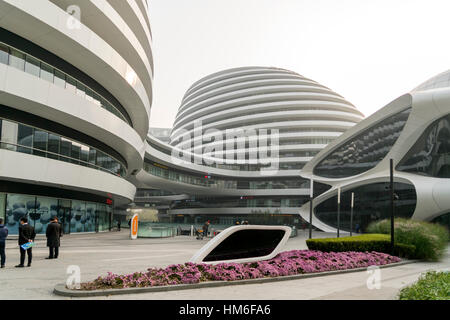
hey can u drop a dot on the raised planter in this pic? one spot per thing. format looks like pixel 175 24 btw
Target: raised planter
pixel 61 289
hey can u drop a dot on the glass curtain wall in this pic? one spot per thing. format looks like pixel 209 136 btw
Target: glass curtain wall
pixel 74 215
pixel 372 203
pixel 26 139
pixel 430 155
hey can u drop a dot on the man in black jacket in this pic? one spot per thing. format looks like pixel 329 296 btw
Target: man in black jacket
pixel 53 233
pixel 26 234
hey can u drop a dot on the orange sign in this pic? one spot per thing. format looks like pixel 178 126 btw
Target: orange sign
pixel 134 227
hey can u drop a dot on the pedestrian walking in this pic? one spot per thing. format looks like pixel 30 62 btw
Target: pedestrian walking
pixel 3 235
pixel 118 225
pixel 54 234
pixel 26 234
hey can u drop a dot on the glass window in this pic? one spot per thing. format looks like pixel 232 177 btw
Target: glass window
pixel 89 94
pixel 53 146
pixel 46 72
pixel 102 217
pixel 430 155
pixel 32 66
pixel 9 135
pixel 101 159
pixel 60 79
pixel 96 99
pixel 372 203
pixel 71 84
pixel 17 59
pixel 81 89
pixel 84 155
pixel 364 151
pixel 75 153
pixel 92 156
pixel 64 213
pixel 4 54
pixel 47 208
pixel 40 142
pixel 65 149
pixel 78 216
pixel 25 138
pixel 2 208
pixel 18 206
pixel 90 223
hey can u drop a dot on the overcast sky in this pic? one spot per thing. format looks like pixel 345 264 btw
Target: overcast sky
pixel 369 51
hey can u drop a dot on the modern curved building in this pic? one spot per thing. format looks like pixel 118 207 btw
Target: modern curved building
pixel 414 131
pixel 305 114
pixel 75 98
pixel 227 184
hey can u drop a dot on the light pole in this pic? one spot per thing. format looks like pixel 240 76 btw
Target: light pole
pixel 338 211
pixel 392 202
pixel 311 196
pixel 351 213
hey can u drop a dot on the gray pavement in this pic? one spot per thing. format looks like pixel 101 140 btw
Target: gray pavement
pixel 96 254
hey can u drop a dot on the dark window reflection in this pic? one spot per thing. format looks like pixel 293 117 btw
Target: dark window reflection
pixel 372 203
pixel 443 220
pixel 246 244
pixel 24 138
pixel 430 155
pixel 364 151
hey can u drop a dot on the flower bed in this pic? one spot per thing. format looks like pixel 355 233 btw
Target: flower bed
pixel 285 264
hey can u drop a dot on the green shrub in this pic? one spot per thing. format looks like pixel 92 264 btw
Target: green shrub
pixel 363 243
pixel 430 239
pixel 431 286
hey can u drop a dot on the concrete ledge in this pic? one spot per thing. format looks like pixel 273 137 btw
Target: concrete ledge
pixel 61 290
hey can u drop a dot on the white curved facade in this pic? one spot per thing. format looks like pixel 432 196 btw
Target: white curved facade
pixel 307 115
pixel 75 99
pixel 414 131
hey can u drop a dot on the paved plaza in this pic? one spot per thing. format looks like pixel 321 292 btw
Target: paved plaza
pixel 96 254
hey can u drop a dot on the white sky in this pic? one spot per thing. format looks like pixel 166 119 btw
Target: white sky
pixel 369 51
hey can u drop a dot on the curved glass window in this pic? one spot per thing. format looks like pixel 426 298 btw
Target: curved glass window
pixel 372 203
pixel 241 202
pixel 208 181
pixel 235 167
pixel 430 155
pixel 364 151
pixel 22 138
pixel 25 62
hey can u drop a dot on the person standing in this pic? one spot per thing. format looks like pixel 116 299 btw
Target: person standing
pixel 54 234
pixel 3 235
pixel 26 234
pixel 205 228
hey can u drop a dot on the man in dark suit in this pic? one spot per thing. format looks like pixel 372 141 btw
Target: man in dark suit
pixel 53 233
pixel 26 234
